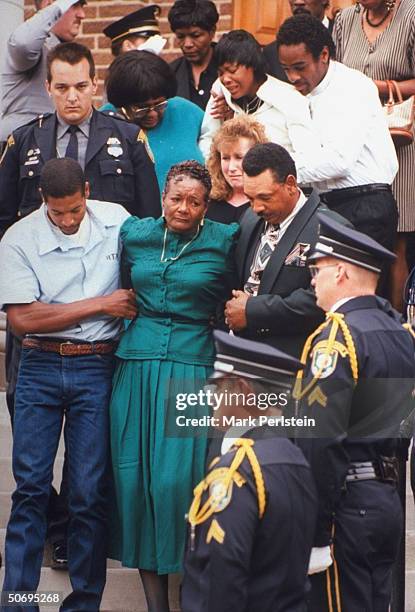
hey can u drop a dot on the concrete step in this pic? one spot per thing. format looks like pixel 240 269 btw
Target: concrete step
pixel 123 591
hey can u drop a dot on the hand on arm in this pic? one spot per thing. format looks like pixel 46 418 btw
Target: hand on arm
pixel 40 318
pixel 235 311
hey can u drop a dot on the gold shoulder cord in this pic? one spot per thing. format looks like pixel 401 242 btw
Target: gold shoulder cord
pixel 227 476
pixel 337 320
pixel 408 327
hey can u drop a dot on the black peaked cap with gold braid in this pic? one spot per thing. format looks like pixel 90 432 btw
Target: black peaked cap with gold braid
pixel 341 242
pixel 143 22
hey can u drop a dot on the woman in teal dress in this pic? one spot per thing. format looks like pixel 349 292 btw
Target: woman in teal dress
pixel 181 270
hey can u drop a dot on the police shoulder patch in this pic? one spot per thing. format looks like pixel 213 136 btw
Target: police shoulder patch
pixel 323 363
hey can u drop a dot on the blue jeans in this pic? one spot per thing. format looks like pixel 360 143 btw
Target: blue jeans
pixel 49 388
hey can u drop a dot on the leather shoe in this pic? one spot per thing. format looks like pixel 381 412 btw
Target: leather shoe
pixel 59 555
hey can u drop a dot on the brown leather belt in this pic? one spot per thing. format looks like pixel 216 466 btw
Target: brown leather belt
pixel 69 348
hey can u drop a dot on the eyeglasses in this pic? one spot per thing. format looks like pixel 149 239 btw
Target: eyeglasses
pixel 142 111
pixel 314 270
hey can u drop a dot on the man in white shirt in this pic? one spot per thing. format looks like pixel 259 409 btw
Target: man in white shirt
pixel 317 8
pixel 60 285
pixel 356 163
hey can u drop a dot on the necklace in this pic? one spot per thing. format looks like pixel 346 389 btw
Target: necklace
pixel 252 106
pixel 166 259
pixel 389 7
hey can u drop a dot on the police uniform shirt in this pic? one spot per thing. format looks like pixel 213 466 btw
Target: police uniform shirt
pixel 348 120
pixel 63 135
pixel 40 263
pixel 229 562
pixel 23 76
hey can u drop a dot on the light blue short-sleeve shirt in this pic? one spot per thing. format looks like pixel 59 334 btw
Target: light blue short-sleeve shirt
pixel 39 263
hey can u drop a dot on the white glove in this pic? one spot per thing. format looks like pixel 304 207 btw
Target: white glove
pixel 65 5
pixel 320 560
pixel 154 44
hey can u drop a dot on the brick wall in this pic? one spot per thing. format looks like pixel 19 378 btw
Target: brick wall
pixel 100 13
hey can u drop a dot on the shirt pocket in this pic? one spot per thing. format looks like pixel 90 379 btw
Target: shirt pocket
pixel 29 188
pixel 117 180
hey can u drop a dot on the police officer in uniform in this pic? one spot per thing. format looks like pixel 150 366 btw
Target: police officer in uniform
pixel 112 152
pixel 357 383
pixel 132 30
pixel 253 516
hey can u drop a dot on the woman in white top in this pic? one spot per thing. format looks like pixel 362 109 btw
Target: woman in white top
pixel 248 89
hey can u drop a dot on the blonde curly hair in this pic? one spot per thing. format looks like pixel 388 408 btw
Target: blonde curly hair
pixel 241 126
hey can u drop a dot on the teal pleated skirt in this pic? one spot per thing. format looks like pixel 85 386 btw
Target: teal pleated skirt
pixel 155 464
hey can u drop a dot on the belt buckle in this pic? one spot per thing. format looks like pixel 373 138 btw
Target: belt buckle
pixel 61 349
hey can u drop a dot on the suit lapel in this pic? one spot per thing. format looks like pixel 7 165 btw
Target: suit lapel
pixel 99 133
pixel 243 255
pixel 45 137
pixel 287 243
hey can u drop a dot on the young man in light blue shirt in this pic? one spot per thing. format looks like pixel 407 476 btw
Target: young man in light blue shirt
pixel 60 285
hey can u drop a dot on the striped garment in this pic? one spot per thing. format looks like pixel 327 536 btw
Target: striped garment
pixel 390 56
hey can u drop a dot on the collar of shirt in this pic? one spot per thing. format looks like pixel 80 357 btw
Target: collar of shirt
pixel 287 222
pixel 63 126
pixel 234 433
pixel 72 241
pixel 340 303
pixel 210 70
pixel 322 86
pixel 325 21
pixel 50 240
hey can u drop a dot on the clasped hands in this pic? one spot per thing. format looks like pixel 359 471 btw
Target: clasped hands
pixel 235 311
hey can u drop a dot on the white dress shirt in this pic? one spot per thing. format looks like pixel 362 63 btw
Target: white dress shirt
pixel 348 119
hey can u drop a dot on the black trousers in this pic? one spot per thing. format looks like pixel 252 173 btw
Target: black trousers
pixel 372 210
pixel 368 529
pixel 58 502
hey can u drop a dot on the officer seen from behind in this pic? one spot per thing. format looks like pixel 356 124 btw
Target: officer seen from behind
pixel 253 516
pixel 358 379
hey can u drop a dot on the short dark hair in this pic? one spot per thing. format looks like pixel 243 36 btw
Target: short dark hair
pixel 193 169
pixel 72 53
pixel 269 156
pixel 308 30
pixel 137 76
pixel 187 13
pixel 240 47
pixel 61 178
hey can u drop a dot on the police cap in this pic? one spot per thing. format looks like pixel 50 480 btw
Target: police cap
pixel 341 242
pixel 143 22
pixel 241 357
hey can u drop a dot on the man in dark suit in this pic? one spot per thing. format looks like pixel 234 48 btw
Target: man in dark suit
pixel 317 8
pixel 275 303
pixel 112 152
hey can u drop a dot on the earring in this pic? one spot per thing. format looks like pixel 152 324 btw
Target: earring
pixel 358 7
pixel 202 222
pixel 389 5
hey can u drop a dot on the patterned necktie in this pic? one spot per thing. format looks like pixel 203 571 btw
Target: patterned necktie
pixel 72 148
pixel 263 253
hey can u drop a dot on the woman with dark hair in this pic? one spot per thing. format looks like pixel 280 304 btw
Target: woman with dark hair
pixel 181 269
pixel 247 88
pixel 142 87
pixel 230 144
